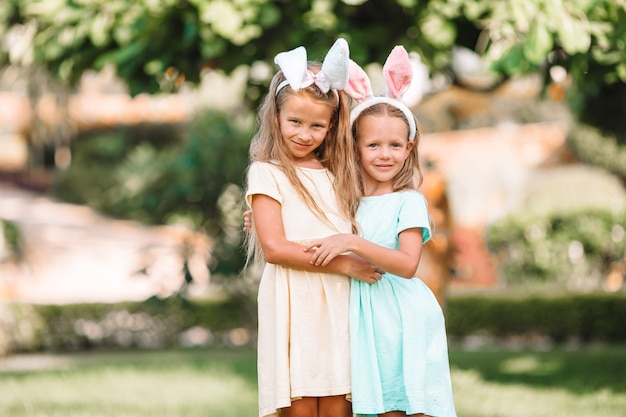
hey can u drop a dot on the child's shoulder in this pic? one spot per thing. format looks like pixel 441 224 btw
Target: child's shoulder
pixel 397 199
pixel 263 166
pixel 411 199
pixel 410 195
pixel 268 170
pixel 264 172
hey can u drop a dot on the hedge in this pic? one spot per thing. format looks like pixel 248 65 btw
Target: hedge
pixel 585 318
pixel 149 324
pixel 597 148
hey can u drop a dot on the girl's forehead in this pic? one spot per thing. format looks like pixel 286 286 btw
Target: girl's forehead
pixel 378 118
pixel 300 99
pixel 382 126
pixel 307 109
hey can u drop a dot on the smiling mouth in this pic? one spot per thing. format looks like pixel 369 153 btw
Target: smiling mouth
pixel 300 144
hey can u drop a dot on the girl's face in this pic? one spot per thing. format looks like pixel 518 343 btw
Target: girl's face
pixel 383 147
pixel 304 123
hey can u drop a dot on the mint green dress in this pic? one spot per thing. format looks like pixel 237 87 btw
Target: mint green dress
pixel 399 351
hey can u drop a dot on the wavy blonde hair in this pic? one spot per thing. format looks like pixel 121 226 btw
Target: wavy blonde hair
pixel 337 153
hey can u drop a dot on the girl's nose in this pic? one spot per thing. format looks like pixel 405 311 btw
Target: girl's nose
pixel 305 133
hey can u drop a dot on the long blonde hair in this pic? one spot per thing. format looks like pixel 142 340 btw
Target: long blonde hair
pixel 337 153
pixel 410 176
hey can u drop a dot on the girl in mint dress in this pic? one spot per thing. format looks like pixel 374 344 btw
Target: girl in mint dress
pixel 399 353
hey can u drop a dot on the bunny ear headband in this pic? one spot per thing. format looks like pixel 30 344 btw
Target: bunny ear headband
pixel 397 73
pixel 332 76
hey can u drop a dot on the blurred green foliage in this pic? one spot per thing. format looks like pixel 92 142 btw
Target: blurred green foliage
pixel 12 237
pixel 144 38
pixel 189 174
pixel 561 248
pixel 569 231
pixel 582 318
pixel 147 324
pixel 596 148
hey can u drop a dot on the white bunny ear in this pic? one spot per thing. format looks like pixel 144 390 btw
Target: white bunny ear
pixel 397 72
pixel 293 64
pixel 359 86
pixel 336 64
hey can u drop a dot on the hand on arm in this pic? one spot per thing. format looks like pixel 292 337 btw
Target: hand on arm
pixel 278 250
pixel 326 249
pixel 247 221
pixel 358 268
pixel 402 262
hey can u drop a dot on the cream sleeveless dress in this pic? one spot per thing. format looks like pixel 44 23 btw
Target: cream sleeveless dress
pixel 303 339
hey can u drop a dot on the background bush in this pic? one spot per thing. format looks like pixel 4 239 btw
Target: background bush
pixel 190 174
pixel 599 149
pixel 576 249
pixel 580 318
pixel 154 323
pixel 158 323
pixel 569 232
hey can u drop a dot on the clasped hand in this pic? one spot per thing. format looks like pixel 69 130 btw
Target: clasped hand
pixel 326 249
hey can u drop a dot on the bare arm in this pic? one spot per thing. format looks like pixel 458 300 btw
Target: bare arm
pixel 280 251
pixel 402 262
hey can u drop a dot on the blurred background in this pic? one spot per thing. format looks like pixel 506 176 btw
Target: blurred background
pixel 124 132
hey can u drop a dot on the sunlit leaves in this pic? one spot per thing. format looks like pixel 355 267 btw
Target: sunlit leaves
pixel 237 21
pixel 520 12
pixel 516 36
pixel 513 62
pixel 438 31
pixel 121 56
pixel 101 27
pixel 44 7
pixel 321 15
pixel 538 43
pixel 475 9
pixel 408 3
pixel 574 34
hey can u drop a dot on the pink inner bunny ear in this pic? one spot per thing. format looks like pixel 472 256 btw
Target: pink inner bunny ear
pixel 359 86
pixel 397 72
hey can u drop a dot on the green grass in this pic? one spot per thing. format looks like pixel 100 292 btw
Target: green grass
pixel 135 384
pixel 221 382
pixel 587 383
